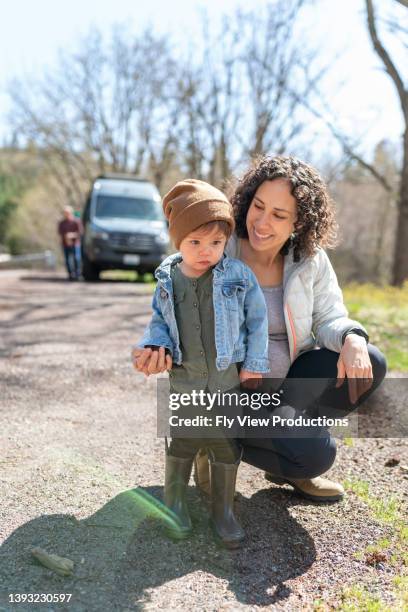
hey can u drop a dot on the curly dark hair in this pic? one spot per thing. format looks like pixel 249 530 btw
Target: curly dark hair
pixel 315 225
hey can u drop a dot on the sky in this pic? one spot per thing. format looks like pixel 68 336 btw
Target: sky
pixel 360 95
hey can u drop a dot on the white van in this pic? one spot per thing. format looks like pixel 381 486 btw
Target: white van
pixel 124 226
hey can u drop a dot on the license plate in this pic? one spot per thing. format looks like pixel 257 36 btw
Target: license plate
pixel 131 259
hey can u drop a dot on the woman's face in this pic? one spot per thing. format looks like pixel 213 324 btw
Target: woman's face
pixel 271 216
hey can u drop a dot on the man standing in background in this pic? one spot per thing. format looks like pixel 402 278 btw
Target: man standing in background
pixel 70 230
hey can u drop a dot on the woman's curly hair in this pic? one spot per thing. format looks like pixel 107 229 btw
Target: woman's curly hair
pixel 315 225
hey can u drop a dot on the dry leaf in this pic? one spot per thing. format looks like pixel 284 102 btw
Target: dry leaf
pixel 60 565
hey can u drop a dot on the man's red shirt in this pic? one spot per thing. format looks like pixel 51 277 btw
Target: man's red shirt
pixel 67 226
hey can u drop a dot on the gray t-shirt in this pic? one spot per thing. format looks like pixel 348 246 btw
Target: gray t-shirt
pixel 278 347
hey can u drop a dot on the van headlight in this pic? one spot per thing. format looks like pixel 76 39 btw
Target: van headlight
pixel 162 238
pixel 99 233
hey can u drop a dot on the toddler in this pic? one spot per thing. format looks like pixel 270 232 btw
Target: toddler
pixel 209 315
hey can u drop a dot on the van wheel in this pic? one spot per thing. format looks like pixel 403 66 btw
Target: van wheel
pixel 90 272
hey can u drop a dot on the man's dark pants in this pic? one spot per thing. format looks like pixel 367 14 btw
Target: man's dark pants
pixel 72 261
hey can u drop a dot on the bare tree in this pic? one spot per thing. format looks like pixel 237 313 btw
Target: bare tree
pixel 349 146
pixel 99 110
pixel 273 63
pixel 191 139
pixel 134 105
pixel 237 98
pixel 400 271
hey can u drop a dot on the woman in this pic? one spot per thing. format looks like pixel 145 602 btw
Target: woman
pixel 284 219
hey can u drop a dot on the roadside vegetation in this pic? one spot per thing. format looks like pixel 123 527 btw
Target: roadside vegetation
pixel 384 311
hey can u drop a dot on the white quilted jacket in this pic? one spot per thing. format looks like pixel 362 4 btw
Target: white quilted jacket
pixel 313 305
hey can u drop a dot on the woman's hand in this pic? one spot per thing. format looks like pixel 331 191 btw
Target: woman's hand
pixel 354 362
pixel 149 361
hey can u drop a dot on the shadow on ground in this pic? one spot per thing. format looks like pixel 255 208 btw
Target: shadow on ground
pixel 121 552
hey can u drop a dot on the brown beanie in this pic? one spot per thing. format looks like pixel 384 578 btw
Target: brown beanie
pixel 192 203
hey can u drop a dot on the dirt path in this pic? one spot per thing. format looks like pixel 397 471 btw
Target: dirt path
pixel 78 437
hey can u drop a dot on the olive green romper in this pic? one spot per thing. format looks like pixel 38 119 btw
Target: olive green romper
pixel 194 311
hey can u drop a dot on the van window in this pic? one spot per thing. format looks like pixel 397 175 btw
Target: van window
pixel 127 208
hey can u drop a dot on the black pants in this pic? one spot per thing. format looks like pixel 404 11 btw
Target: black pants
pixel 222 450
pixel 307 457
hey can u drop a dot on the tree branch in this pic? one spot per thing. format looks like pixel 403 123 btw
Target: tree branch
pixel 348 149
pixel 385 58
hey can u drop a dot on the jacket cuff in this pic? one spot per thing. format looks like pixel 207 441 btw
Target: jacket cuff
pixel 260 366
pixel 155 347
pixel 355 330
pixel 168 348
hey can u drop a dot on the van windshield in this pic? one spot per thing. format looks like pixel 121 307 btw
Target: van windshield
pixel 109 206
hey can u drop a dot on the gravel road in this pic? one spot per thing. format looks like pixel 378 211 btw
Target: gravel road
pixel 81 459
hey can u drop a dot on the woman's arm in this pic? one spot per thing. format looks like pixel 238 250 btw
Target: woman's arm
pixel 330 326
pixel 330 316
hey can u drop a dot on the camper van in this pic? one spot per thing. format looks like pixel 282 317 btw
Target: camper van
pixel 124 226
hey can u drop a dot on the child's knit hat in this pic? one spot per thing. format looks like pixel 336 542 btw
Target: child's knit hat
pixel 192 203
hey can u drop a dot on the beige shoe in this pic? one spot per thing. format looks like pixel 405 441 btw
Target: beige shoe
pixel 316 489
pixel 202 472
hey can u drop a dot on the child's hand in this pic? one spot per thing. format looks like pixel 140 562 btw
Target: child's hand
pixel 149 361
pixel 250 380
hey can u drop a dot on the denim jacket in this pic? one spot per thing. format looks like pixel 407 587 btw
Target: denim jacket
pixel 240 317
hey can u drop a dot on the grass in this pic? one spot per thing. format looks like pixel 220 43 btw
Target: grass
pixel 384 510
pixel 401 590
pixel 129 276
pixel 395 547
pixel 384 312
pixel 357 599
pixel 348 442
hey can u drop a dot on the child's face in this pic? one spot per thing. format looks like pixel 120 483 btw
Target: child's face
pixel 201 250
